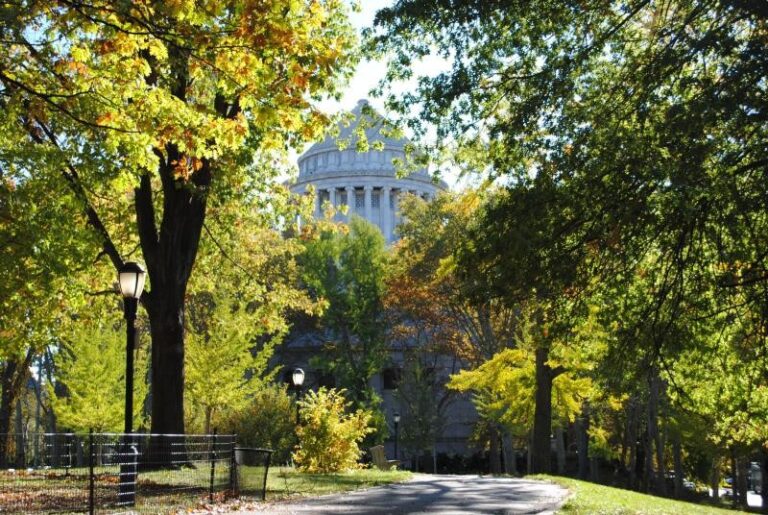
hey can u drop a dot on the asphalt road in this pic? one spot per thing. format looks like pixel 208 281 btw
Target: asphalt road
pixel 435 494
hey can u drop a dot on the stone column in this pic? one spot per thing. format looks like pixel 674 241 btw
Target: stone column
pixel 318 203
pixel 350 202
pixel 332 196
pixel 396 208
pixel 368 203
pixel 386 213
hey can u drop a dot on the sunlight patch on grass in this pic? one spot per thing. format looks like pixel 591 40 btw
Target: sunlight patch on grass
pixel 286 482
pixel 590 498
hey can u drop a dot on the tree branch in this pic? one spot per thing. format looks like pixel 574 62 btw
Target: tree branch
pixel 69 172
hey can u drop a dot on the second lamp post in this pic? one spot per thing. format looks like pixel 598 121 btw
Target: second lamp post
pixel 396 419
pixel 297 379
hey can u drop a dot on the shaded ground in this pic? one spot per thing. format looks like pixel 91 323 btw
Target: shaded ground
pixel 442 494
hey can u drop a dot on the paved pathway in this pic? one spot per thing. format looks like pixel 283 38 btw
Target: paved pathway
pixel 436 494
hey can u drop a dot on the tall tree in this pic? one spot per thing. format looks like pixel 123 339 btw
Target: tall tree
pixel 158 108
pixel 347 272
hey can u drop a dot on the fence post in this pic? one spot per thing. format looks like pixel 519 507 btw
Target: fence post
pixel 266 474
pixel 129 464
pixel 213 464
pixel 69 454
pixel 233 479
pixel 91 478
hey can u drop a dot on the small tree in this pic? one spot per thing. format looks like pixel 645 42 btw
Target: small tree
pixel 423 401
pixel 328 435
pixel 222 369
pixel 92 369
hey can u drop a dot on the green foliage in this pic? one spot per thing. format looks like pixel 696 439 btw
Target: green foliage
pixel 144 118
pixel 266 420
pixel 347 273
pixel 632 169
pixel 91 368
pixel 222 371
pixel 328 434
pixel 504 390
pixel 239 314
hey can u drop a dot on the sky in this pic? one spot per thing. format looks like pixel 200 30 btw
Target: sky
pixel 369 73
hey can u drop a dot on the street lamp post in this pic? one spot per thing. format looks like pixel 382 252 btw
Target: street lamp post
pixel 131 279
pixel 396 419
pixel 297 379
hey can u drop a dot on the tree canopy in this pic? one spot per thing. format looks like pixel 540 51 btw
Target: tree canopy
pixel 152 112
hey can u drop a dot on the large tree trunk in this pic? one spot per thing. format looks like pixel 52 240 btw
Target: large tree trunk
pixel 764 478
pixel 494 456
pixel 542 419
pixel 560 444
pixel 13 376
pixel 167 382
pixel 714 479
pixel 582 441
pixel 510 458
pixel 170 254
pixel 678 457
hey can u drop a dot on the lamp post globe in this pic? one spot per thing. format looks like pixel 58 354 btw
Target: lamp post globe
pixel 297 378
pixel 131 279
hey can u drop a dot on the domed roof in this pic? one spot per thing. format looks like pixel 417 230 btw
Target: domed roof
pixel 372 123
pixel 325 163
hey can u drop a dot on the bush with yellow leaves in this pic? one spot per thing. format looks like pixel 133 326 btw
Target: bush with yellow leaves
pixel 328 435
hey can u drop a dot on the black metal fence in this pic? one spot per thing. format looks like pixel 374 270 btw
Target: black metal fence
pixel 133 473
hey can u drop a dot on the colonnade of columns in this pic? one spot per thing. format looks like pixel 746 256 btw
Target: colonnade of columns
pixel 384 214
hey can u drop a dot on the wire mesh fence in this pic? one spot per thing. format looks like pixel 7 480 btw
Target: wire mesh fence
pixel 125 473
pixel 252 467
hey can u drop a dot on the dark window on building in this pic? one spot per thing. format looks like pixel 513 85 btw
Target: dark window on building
pixel 325 379
pixel 391 377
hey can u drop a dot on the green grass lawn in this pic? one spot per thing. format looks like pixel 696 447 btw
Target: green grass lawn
pixel 286 482
pixel 591 498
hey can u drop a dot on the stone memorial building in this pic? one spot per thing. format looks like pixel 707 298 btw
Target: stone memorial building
pixel 367 183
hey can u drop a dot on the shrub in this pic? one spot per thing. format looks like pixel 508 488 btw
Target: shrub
pixel 267 421
pixel 328 435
